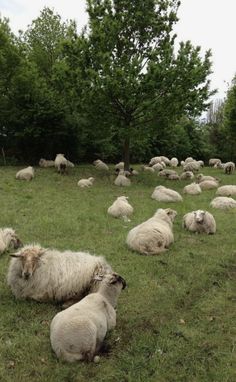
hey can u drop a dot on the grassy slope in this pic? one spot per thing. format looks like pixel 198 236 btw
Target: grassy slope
pixel 192 282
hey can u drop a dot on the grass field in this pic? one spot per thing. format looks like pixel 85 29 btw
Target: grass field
pixel 176 319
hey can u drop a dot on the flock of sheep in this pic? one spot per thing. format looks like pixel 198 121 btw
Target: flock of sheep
pixel 85 284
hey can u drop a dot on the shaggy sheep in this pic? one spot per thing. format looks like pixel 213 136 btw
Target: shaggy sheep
pixel 174 162
pixel 227 190
pixel 201 163
pixel 100 165
pixel 188 160
pixel 229 167
pixel 8 239
pixel 155 160
pixel 120 166
pixel 214 161
pixel 61 163
pixel 77 333
pixel 25 174
pixel 201 178
pixel 192 189
pixel 46 163
pixel 122 181
pixel 187 175
pixel 163 194
pixel 86 182
pixel 157 167
pixel 121 208
pixel 191 166
pixel 200 222
pixel 166 173
pixel 165 160
pixel 223 202
pixel 154 235
pixel 173 177
pixel 208 184
pixel 50 275
pixel 147 169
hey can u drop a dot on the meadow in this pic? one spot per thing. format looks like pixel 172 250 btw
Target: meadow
pixel 175 319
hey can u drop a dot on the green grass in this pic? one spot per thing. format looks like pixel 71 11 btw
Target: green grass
pixel 175 320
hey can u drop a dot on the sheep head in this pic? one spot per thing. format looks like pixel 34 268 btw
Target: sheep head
pixel 29 257
pixel 199 216
pixel 11 238
pixel 111 279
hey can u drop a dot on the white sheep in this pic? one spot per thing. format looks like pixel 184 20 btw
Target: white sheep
pixel 147 169
pixel 187 175
pixel 191 166
pixel 70 164
pixel 201 163
pixel 227 190
pixel 223 202
pixel 164 194
pixel 121 208
pixel 154 235
pixel 214 161
pixel 155 160
pixel 208 184
pixel 50 275
pixel 46 163
pixel 25 174
pixel 166 173
pixel 200 222
pixel 192 189
pixel 100 165
pixel 165 160
pixel 86 182
pixel 174 162
pixel 157 167
pixel 120 166
pixel 201 178
pixel 173 177
pixel 229 167
pixel 8 239
pixel 61 163
pixel 77 333
pixel 189 159
pixel 122 181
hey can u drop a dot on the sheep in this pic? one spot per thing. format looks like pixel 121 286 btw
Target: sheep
pixel 191 166
pixel 70 164
pixel 86 182
pixel 208 184
pixel 219 165
pixel 165 160
pixel 121 208
pixel 61 163
pixel 46 163
pixel 182 163
pixel 214 161
pixel 155 160
pixel 120 166
pixel 200 222
pixel 223 202
pixel 187 175
pixel 123 172
pixel 192 189
pixel 157 167
pixel 163 194
pixel 227 190
pixel 201 178
pixel 133 172
pixel 50 275
pixel 229 167
pixel 166 173
pixel 122 181
pixel 25 174
pixel 174 162
pixel 189 159
pixel 173 177
pixel 154 235
pixel 77 333
pixel 8 239
pixel 201 163
pixel 100 165
pixel 147 169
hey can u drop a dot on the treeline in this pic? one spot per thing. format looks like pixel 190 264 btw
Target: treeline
pixel 118 88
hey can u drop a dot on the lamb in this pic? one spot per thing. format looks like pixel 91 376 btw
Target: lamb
pixel 120 166
pixel 229 167
pixel 223 202
pixel 187 175
pixel 174 162
pixel 192 189
pixel 46 163
pixel 214 161
pixel 164 194
pixel 201 178
pixel 77 333
pixel 8 239
pixel 100 165
pixel 25 174
pixel 61 163
pixel 227 190
pixel 208 184
pixel 154 235
pixel 121 208
pixel 50 275
pixel 86 182
pixel 122 181
pixel 191 166
pixel 200 222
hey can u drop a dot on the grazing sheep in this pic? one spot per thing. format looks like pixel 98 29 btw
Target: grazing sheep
pixel 200 222
pixel 70 164
pixel 86 182
pixel 187 175
pixel 201 178
pixel 214 161
pixel 61 163
pixel 50 275
pixel 219 165
pixel 122 181
pixel 100 165
pixel 229 167
pixel 208 184
pixel 201 163
pixel 77 333
pixel 8 239
pixel 120 166
pixel 191 166
pixel 46 163
pixel 154 235
pixel 227 190
pixel 164 194
pixel 192 189
pixel 223 202
pixel 174 162
pixel 25 174
pixel 121 208
pixel 157 167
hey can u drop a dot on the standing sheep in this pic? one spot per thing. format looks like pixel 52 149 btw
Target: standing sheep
pixel 192 189
pixel 214 161
pixel 50 275
pixel 8 239
pixel 61 163
pixel 25 174
pixel 86 182
pixel 164 194
pixel 200 222
pixel 191 166
pixel 223 202
pixel 78 332
pixel 229 168
pixel 121 208
pixel 154 235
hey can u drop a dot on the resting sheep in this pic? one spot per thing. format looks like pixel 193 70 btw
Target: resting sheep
pixel 8 239
pixel 200 222
pixel 86 182
pixel 223 203
pixel 120 166
pixel 157 167
pixel 201 178
pixel 100 165
pixel 174 162
pixel 61 163
pixel 147 169
pixel 25 174
pixel 191 166
pixel 50 275
pixel 154 235
pixel 122 181
pixel 187 175
pixel 46 163
pixel 227 190
pixel 192 189
pixel 121 208
pixel 166 173
pixel 208 184
pixel 77 333
pixel 155 160
pixel 229 167
pixel 164 194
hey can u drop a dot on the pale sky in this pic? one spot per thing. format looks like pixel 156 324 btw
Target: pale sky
pixel 208 23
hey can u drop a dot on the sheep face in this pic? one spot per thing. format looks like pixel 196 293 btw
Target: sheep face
pixel 199 216
pixel 29 258
pixel 171 213
pixel 111 279
pixel 12 238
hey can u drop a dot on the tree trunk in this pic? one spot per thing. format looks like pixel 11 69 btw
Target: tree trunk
pixel 126 154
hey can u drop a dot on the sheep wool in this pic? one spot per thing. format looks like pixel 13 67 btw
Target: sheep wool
pixel 192 189
pixel 164 194
pixel 25 174
pixel 8 239
pixel 122 181
pixel 121 208
pixel 227 190
pixel 208 184
pixel 174 162
pixel 223 202
pixel 200 222
pixel 85 182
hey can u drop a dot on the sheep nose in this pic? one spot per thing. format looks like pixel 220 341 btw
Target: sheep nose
pixel 26 275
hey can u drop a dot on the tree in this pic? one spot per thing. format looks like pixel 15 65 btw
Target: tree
pixel 131 82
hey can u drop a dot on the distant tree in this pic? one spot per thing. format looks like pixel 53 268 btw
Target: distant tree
pixel 230 118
